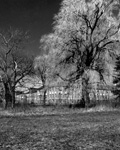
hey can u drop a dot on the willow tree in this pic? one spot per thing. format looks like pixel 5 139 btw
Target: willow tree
pixel 84 31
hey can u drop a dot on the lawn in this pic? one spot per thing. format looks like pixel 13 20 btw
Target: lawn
pixel 74 131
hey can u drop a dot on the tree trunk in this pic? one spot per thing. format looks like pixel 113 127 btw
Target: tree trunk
pixel 13 97
pixel 85 92
pixel 6 101
pixel 44 97
pixel 8 97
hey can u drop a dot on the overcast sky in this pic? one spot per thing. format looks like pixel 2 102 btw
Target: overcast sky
pixel 33 15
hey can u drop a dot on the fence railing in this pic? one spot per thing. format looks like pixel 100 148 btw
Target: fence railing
pixel 63 95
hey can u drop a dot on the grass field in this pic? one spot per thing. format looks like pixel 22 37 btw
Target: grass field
pixel 61 131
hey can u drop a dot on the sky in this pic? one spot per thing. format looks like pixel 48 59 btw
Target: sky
pixel 35 16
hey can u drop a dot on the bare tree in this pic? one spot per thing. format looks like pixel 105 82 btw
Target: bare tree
pixel 43 70
pixel 14 63
pixel 83 32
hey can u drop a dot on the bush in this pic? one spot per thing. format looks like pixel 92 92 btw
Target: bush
pixel 92 103
pixel 79 104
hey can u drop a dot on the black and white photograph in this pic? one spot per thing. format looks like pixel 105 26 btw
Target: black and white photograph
pixel 59 74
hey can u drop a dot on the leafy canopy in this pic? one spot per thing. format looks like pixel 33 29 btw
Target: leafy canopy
pixel 83 32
